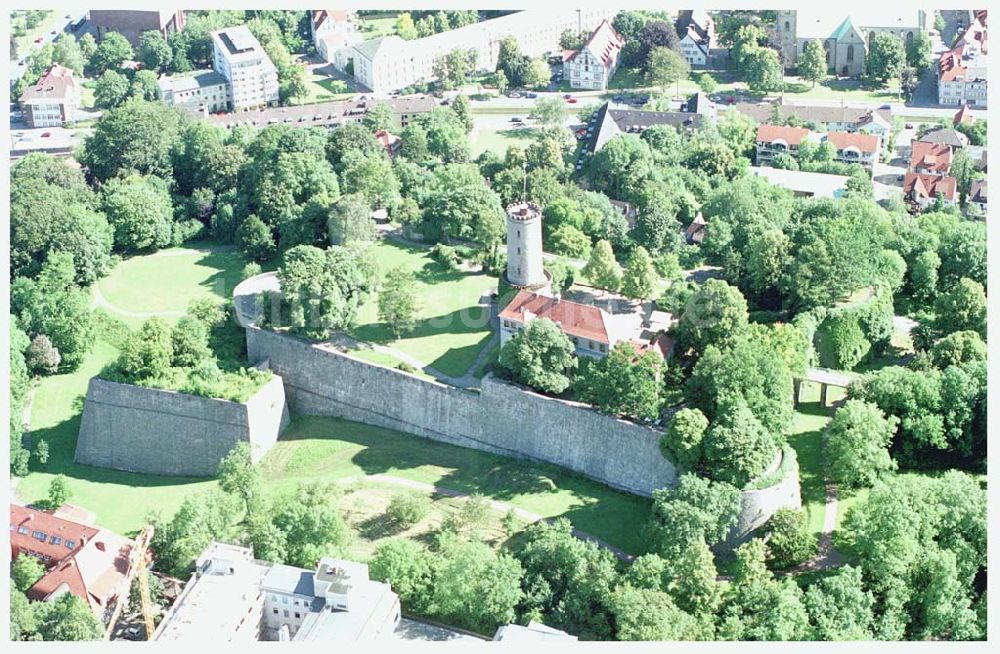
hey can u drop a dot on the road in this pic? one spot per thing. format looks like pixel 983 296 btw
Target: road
pixel 61 25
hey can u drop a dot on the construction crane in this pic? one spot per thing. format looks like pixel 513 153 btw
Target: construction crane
pixel 138 562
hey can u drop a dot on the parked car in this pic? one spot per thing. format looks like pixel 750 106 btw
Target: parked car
pixel 39 40
pixel 46 135
pixel 571 100
pixel 618 98
pixel 531 96
pixel 445 102
pixel 568 96
pixel 513 94
pixel 908 125
pixel 516 119
pixel 886 106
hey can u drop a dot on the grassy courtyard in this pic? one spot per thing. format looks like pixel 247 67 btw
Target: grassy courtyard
pixel 452 326
pixel 164 283
pixel 498 140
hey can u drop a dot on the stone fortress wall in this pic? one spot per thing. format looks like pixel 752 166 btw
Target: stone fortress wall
pixel 162 432
pixel 502 419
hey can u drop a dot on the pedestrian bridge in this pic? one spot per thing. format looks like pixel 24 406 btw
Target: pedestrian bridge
pixel 825 378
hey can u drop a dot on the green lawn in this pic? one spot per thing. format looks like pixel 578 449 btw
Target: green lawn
pixel 835 89
pixel 327 449
pixel 383 359
pixel 384 25
pixel 499 140
pixel 323 88
pixel 452 327
pixel 806 438
pixel 167 281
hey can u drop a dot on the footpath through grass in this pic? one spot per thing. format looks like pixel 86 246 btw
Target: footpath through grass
pixel 806 439
pixel 327 449
pixel 452 327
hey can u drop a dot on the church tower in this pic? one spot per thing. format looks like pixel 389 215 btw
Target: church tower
pixel 787 30
pixel 524 246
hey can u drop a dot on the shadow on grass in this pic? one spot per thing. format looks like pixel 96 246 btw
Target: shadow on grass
pixel 808 446
pixel 595 508
pixel 848 85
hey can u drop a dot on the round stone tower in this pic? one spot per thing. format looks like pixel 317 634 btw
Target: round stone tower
pixel 524 245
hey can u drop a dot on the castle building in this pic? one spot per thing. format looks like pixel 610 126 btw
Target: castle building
pixel 846 39
pixel 524 246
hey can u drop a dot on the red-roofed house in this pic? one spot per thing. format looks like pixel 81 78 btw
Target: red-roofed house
pixel 778 139
pixel 922 190
pixel 87 561
pixel 930 158
pixel 592 66
pixel 390 142
pixel 855 147
pixel 963 115
pixel 587 326
pixel 53 100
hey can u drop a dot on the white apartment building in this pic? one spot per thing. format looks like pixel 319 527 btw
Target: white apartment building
pixel 334 33
pixel 390 63
pixel 232 597
pixel 202 92
pixel 239 57
pixel 593 65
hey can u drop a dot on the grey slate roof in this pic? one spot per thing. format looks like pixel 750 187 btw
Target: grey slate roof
pixel 288 579
pixel 609 123
pixel 945 136
pixel 762 112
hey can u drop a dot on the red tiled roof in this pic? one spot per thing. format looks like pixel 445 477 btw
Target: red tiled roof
pixel 319 16
pixel 34 520
pixel 92 570
pixel 768 133
pixel 605 42
pixel 932 156
pixel 861 141
pixel 581 320
pixel 919 185
pixel 57 82
pixel 963 115
pixel 950 66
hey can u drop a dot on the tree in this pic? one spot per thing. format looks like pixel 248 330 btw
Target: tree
pixel 110 90
pixel 88 46
pixel 42 451
pixel 958 348
pixel 501 82
pixel 460 106
pixel 683 441
pixel 963 169
pixel 812 63
pixel 572 39
pixel 540 356
pixel 963 308
pixel 408 567
pixel 378 117
pixel 475 587
pixel 666 67
pixel 707 83
pixel 189 339
pixel 918 51
pixel 136 137
pixel 405 27
pixel 715 314
pixel 113 51
pixel 148 352
pixel 68 53
pixel 154 53
pixel 645 614
pixel 737 448
pixel 372 177
pixel 963 254
pixel 696 510
pixel 144 86
pixel 407 509
pixel 25 571
pixel 839 606
pixel 567 580
pixel 550 112
pixel 255 239
pixel 310 523
pixel 42 357
pixel 639 280
pixel 140 211
pixel 398 303
pixel 324 288
pixel 350 220
pixel 67 618
pixel 654 34
pixel 200 519
pixel 55 306
pixel 858 441
pixel 59 492
pixel 22 618
pixel 602 269
pixel 239 476
pixel 459 204
pixel 536 75
pixel 763 72
pixel 625 383
pixel 789 540
pixel 886 57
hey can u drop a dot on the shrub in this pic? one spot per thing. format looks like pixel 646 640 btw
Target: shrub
pixel 446 255
pixel 43 357
pixel 191 229
pixel 408 509
pixel 845 344
pixel 789 540
pixel 252 269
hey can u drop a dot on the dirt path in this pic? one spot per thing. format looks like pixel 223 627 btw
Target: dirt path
pixel 495 504
pixel 826 556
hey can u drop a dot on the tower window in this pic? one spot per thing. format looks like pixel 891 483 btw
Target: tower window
pixel 519 249
pixel 788 26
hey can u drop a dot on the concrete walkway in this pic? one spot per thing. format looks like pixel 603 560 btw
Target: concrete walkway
pixel 494 504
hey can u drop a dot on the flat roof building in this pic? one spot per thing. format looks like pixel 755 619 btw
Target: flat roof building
pixel 803 184
pixel 202 92
pixel 240 59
